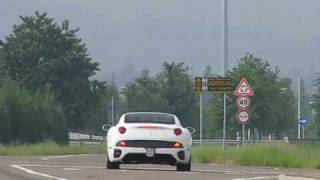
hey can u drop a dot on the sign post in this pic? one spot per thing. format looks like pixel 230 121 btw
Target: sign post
pixel 303 123
pixel 211 84
pixel 243 137
pixel 243 93
pixel 200 136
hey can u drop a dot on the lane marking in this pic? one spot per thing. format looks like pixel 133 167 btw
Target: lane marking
pixel 242 172
pixel 254 178
pixel 29 171
pixel 46 158
pixel 128 168
pixel 234 173
pixel 71 169
pixel 58 166
pixel 211 171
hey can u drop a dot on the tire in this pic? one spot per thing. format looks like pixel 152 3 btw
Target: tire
pixel 184 167
pixel 112 165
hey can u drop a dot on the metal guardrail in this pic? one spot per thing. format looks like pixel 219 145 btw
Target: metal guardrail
pixel 78 139
pixel 79 136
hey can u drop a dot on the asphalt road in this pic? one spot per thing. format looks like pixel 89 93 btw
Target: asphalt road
pixel 85 167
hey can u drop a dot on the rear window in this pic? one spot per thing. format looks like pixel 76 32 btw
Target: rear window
pixel 149 118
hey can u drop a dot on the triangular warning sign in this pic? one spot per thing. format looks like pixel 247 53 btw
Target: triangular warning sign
pixel 243 89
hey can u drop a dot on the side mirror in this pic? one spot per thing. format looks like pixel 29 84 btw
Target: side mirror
pixel 191 130
pixel 106 127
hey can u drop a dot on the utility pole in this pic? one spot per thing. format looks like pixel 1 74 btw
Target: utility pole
pixel 200 118
pixel 112 110
pixel 224 59
pixel 299 115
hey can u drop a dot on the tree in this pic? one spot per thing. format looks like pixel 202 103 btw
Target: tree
pixel 273 105
pixel 170 91
pixel 177 89
pixel 144 94
pixel 208 71
pixel 100 108
pixel 30 117
pixel 45 56
pixel 211 128
pixel 316 105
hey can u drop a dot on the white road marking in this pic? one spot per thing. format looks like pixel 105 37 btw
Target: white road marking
pixel 241 172
pixel 234 173
pixel 194 171
pixel 71 169
pixel 186 172
pixel 159 169
pixel 29 171
pixel 255 178
pixel 57 166
pixel 64 156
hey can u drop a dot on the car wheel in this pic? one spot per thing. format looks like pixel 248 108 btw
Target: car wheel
pixel 184 167
pixel 112 165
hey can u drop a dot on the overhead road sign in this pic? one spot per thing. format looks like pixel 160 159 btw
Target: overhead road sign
pixel 243 116
pixel 243 89
pixel 243 102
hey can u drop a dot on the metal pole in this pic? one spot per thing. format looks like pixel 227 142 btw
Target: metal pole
pixel 299 89
pixel 200 119
pixel 302 132
pixel 112 110
pixel 224 121
pixel 243 136
pixel 224 59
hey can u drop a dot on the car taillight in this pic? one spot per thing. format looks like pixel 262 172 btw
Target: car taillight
pixel 122 144
pixel 177 131
pixel 122 130
pixel 177 145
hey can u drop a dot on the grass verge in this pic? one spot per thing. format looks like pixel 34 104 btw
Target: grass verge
pixel 276 155
pixel 50 148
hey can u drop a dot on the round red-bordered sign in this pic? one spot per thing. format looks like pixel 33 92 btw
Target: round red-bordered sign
pixel 243 102
pixel 243 116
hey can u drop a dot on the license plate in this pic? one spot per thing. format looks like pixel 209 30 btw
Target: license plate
pixel 150 152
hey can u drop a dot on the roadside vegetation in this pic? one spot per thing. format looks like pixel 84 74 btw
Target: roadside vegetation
pixel 49 148
pixel 273 155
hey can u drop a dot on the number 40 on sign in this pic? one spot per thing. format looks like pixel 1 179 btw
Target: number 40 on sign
pixel 243 102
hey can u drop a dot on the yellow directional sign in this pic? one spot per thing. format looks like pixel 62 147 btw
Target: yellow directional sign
pixel 198 84
pixel 211 84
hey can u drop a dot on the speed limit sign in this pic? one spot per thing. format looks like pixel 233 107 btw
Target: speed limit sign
pixel 243 102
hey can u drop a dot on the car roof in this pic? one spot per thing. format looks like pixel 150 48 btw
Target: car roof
pixel 149 113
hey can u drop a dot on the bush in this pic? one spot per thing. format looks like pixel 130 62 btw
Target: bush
pixel 30 117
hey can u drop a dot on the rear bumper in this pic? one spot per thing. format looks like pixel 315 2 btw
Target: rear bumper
pixel 133 155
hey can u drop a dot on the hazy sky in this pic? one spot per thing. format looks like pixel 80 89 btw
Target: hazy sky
pixel 145 33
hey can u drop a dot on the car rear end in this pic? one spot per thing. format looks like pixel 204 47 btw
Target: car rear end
pixel 161 142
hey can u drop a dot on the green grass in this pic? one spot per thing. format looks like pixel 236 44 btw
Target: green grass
pixel 277 155
pixel 50 148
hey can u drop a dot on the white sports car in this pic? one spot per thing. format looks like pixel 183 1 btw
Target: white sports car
pixel 149 138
